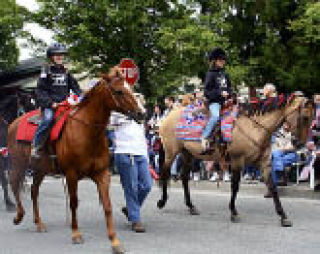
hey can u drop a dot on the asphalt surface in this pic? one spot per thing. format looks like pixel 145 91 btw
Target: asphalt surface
pixel 171 230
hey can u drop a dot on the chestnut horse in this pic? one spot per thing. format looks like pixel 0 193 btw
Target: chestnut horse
pixel 250 146
pixel 82 151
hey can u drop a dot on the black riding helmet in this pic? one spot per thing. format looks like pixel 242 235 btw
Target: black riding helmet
pixel 56 48
pixel 217 53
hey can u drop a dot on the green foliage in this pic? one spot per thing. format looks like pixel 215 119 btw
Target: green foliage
pixel 266 40
pixel 306 49
pixel 167 41
pixel 11 22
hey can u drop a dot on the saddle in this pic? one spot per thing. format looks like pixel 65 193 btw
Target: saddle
pixel 29 123
pixel 193 120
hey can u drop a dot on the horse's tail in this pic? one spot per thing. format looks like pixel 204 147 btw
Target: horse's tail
pixel 162 170
pixel 18 158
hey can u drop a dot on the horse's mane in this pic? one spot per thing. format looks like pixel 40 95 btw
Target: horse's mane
pixel 256 107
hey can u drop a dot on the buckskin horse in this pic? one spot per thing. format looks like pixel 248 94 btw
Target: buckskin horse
pixel 250 146
pixel 81 150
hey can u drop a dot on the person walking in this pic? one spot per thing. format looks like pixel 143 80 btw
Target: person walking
pixel 131 160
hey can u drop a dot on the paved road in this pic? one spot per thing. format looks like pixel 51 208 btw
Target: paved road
pixel 171 230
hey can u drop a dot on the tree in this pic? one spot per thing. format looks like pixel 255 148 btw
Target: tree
pixel 11 23
pixel 306 49
pixel 166 39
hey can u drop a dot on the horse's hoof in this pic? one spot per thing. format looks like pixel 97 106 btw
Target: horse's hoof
pixel 119 249
pixel 286 223
pixel 17 220
pixel 235 218
pixel 194 211
pixel 161 203
pixel 41 228
pixel 77 238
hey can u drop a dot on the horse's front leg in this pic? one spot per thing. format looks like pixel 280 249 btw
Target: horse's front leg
pixel 235 182
pixel 37 180
pixel 103 183
pixel 285 222
pixel 72 182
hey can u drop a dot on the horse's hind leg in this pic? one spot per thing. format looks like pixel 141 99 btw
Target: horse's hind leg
pixel 235 182
pixel 10 206
pixel 37 180
pixel 72 182
pixel 164 177
pixel 285 222
pixel 187 161
pixel 103 183
pixel 16 176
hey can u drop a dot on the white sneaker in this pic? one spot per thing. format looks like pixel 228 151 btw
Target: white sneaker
pixel 247 177
pixel 196 176
pixel 226 176
pixel 214 177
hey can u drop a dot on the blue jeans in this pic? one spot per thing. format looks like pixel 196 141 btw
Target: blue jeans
pixel 280 160
pixel 136 182
pixel 176 164
pixel 46 122
pixel 214 118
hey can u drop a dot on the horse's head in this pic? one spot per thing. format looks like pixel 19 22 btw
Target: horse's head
pixel 299 114
pixel 122 98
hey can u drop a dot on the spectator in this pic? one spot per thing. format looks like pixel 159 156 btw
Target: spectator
pixel 283 152
pixel 269 90
pixel 213 167
pixel 169 104
pixel 251 173
pixel 175 167
pixel 156 117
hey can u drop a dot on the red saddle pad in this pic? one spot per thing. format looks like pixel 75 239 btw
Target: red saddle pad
pixel 26 130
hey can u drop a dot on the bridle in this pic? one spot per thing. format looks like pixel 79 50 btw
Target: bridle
pixel 97 125
pixel 113 94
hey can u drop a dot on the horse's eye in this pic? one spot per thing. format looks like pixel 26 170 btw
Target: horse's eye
pixel 118 92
